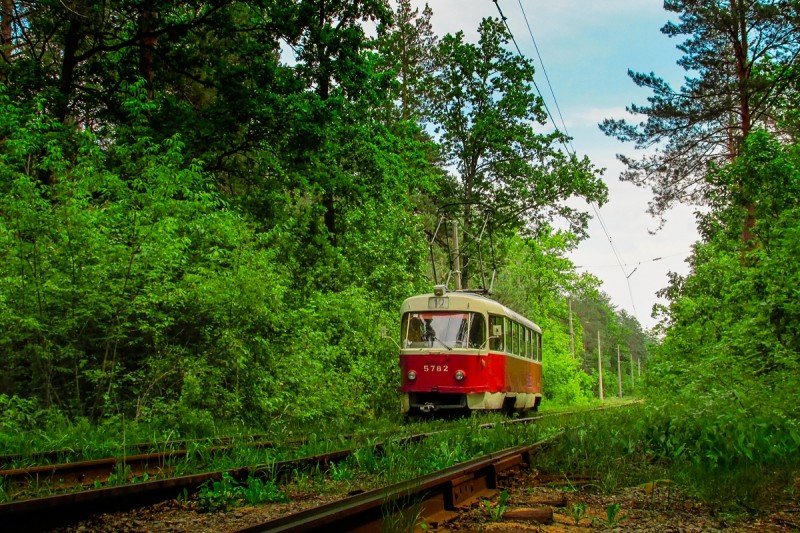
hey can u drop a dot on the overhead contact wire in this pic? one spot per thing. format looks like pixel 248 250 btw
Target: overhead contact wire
pixel 569 148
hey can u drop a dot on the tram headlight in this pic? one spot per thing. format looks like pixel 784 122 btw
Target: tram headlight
pixel 460 375
pixel 412 375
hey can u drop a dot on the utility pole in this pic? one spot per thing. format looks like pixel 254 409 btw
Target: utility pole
pixel 619 373
pixel 600 365
pixel 456 258
pixel 633 385
pixel 571 331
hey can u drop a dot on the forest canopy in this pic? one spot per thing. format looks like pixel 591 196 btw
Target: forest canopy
pixel 209 210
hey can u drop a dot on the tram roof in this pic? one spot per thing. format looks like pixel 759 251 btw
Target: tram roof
pixel 463 301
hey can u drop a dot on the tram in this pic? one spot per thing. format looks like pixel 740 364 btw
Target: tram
pixel 461 351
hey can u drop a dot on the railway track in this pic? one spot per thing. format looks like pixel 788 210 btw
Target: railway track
pixel 62 509
pixel 48 512
pixel 429 500
pixel 95 472
pixel 64 476
pixel 66 455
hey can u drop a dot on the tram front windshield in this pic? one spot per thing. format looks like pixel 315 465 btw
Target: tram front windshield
pixel 443 329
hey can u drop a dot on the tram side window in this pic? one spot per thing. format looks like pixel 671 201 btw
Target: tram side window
pixel 477 331
pixel 528 352
pixel 532 345
pixel 517 339
pixel 537 344
pixel 495 323
pixel 508 329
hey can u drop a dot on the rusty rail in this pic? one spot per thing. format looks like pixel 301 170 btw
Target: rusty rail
pixel 431 499
pixel 48 512
pixel 141 448
pixel 87 473
pixel 55 511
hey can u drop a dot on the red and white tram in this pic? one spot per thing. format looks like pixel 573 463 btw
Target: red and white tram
pixel 461 351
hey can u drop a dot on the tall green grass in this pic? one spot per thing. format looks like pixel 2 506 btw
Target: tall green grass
pixel 723 458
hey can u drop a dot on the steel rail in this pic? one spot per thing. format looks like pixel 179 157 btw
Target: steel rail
pixel 52 456
pixel 54 511
pixel 59 510
pixel 87 473
pixel 49 512
pixel 431 499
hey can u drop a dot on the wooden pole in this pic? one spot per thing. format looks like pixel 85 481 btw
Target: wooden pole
pixel 633 385
pixel 619 373
pixel 456 258
pixel 571 331
pixel 600 365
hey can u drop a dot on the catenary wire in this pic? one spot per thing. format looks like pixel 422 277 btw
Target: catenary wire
pixel 569 149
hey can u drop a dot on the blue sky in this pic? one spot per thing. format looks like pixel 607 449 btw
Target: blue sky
pixel 587 48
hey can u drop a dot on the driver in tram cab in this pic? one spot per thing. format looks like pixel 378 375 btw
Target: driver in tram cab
pixel 429 335
pixel 415 331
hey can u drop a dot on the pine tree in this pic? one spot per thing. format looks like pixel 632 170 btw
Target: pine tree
pixel 730 47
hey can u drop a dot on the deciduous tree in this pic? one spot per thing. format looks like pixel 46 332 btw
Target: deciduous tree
pixel 484 110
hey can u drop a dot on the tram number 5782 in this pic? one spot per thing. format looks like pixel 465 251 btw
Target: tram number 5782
pixel 434 368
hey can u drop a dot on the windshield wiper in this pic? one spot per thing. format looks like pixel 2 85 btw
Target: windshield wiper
pixel 443 343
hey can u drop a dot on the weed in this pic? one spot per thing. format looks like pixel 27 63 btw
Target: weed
pixel 258 491
pixel 367 459
pixel 224 493
pixel 218 494
pixel 120 476
pixel 340 472
pixel 497 510
pixel 578 511
pixel 612 514
pixel 396 519
pixel 609 481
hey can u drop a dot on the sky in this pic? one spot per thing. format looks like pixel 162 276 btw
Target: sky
pixel 586 48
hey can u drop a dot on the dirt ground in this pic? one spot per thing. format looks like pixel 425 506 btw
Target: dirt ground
pixel 653 507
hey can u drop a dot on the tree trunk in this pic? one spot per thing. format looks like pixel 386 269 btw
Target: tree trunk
pixel 68 64
pixel 743 76
pixel 148 41
pixel 6 43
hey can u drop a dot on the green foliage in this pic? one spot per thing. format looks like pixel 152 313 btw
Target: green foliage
pixel 725 377
pixel 612 514
pixel 498 509
pixel 224 493
pixel 218 494
pixel 17 413
pixel 481 107
pixel 578 511
pixel 216 237
pixel 459 441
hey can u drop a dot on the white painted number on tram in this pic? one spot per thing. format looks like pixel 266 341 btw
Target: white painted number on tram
pixel 434 368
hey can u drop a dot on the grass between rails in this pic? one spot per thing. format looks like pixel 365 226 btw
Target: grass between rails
pixel 737 466
pixel 202 455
